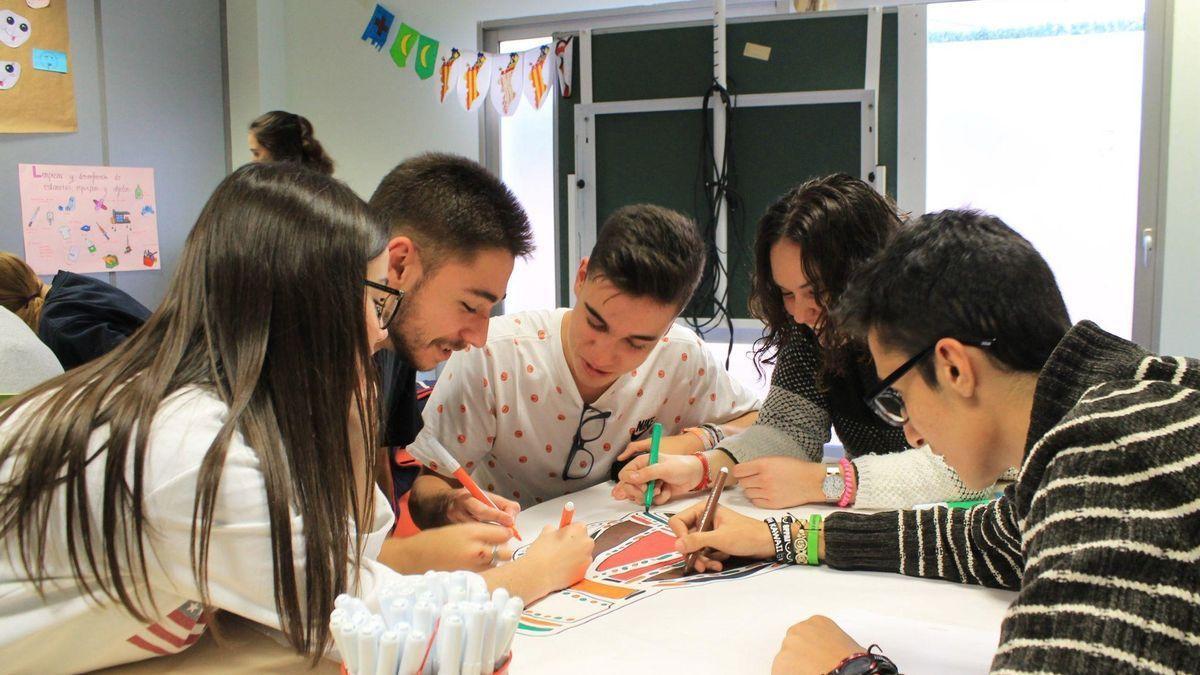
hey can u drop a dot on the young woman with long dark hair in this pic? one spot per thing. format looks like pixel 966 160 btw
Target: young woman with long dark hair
pixel 215 460
pixel 809 243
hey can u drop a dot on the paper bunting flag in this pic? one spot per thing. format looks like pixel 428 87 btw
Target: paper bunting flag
pixel 427 51
pixel 564 52
pixel 378 27
pixel 406 41
pixel 449 72
pixel 507 81
pixel 539 75
pixel 476 79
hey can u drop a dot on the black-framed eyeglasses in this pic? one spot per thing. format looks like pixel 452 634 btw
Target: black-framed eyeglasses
pixel 591 427
pixel 385 307
pixel 887 402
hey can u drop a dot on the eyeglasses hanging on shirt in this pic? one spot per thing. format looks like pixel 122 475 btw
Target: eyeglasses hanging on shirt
pixel 591 427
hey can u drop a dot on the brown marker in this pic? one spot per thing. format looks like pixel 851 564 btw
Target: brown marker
pixel 706 521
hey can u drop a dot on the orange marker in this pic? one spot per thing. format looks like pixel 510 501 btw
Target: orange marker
pixel 567 514
pixel 465 478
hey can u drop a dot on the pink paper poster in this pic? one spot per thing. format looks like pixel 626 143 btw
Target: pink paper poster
pixel 88 218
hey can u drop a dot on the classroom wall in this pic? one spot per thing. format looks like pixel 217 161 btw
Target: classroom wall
pixel 368 114
pixel 149 87
pixel 306 56
pixel 1180 325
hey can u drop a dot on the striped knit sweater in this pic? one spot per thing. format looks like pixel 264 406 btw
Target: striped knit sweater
pixel 795 419
pixel 1101 532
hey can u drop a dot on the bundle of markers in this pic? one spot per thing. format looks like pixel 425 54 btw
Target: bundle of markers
pixel 440 622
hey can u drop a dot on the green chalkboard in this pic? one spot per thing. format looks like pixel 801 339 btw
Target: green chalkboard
pixel 655 157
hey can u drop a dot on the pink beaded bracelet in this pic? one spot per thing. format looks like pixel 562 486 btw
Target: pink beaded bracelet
pixel 849 483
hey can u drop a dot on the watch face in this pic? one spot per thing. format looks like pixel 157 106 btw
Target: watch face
pixel 832 487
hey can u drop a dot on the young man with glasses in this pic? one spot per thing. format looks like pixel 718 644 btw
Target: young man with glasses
pixel 455 233
pixel 545 407
pixel 1100 534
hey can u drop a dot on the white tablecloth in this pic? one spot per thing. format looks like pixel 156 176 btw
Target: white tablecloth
pixel 736 626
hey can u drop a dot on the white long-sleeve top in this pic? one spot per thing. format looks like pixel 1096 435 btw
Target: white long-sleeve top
pixel 66 631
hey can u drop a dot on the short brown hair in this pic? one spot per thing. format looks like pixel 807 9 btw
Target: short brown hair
pixel 452 205
pixel 650 251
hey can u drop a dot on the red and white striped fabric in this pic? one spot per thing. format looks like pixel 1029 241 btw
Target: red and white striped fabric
pixel 182 627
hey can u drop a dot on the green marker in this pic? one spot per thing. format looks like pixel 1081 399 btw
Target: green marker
pixel 655 439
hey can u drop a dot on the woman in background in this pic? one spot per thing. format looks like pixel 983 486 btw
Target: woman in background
pixel 280 136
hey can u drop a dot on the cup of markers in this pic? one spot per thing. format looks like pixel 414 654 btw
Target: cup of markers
pixel 443 623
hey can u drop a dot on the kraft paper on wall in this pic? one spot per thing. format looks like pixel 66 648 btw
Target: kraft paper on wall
pixel 39 101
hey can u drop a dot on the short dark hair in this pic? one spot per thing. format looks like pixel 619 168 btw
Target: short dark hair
pixel 961 274
pixel 649 251
pixel 451 205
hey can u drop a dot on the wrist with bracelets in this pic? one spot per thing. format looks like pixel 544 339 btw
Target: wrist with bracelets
pixel 870 662
pixel 797 548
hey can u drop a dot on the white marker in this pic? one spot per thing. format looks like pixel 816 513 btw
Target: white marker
pixel 389 653
pixel 487 645
pixel 450 645
pixel 473 618
pixel 339 637
pixel 368 647
pixel 506 629
pixel 414 651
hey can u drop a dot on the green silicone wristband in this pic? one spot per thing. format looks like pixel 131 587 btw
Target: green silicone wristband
pixel 814 527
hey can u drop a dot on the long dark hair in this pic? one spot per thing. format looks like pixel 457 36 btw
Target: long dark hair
pixel 289 138
pixel 265 311
pixel 839 222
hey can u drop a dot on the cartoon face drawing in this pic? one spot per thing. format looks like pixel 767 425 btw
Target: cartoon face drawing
pixel 14 28
pixel 10 72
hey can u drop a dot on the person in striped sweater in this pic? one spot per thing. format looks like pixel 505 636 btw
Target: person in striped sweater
pixel 1099 535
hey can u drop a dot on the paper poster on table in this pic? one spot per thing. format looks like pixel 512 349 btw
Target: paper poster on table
pixel 634 558
pixel 476 79
pixel 37 93
pixel 88 218
pixel 539 74
pixel 507 83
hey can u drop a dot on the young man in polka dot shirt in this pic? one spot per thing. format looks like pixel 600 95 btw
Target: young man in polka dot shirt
pixel 554 396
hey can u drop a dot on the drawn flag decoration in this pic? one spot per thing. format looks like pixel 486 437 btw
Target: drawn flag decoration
pixel 539 69
pixel 427 51
pixel 475 81
pixel 507 82
pixel 564 52
pixel 379 27
pixel 178 631
pixel 449 72
pixel 406 41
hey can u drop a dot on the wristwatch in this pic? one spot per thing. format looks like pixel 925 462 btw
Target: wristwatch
pixel 834 484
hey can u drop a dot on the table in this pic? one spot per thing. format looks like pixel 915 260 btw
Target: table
pixel 732 627
pixel 737 626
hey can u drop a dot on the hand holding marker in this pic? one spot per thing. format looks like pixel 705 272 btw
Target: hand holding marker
pixel 655 441
pixel 442 461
